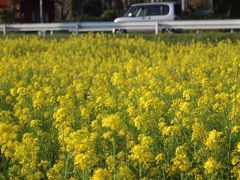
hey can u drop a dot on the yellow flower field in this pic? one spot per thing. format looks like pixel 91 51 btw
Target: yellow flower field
pixel 105 107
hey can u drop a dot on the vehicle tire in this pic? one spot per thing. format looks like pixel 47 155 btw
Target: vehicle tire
pixel 119 31
pixel 178 30
pixel 122 31
pixel 167 30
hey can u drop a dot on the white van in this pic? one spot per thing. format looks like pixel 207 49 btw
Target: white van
pixel 160 11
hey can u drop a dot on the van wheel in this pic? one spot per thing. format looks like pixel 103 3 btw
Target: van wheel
pixel 119 31
pixel 178 30
pixel 167 30
pixel 122 31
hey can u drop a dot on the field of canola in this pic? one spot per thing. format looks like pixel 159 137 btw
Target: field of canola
pixel 105 107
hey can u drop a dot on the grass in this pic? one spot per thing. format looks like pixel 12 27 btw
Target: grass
pixel 213 37
pixel 171 38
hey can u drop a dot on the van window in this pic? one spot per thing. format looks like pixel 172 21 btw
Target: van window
pixel 164 9
pixel 153 10
pixel 136 11
pixel 141 12
pixel 156 10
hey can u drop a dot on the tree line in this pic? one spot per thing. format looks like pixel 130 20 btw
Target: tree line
pixel 97 10
pixel 109 9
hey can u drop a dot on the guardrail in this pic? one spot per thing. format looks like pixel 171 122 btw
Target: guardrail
pixel 201 24
pixel 156 27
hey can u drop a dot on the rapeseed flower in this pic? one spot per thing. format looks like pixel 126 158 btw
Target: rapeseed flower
pixel 211 166
pixel 73 108
pixel 214 139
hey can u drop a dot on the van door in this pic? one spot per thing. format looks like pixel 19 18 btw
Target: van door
pixel 158 12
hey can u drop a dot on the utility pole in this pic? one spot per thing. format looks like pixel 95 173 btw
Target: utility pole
pixel 183 6
pixel 41 10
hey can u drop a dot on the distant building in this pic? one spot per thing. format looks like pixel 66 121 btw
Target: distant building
pixel 4 4
pixel 28 10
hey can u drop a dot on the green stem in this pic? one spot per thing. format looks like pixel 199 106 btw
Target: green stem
pixel 66 167
pixel 114 156
pixel 234 119
pixel 140 171
pixel 182 128
pixel 84 175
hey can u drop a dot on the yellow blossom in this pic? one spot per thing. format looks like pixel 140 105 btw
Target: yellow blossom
pixel 113 122
pixel 181 159
pixel 213 140
pixel 101 174
pixel 159 158
pixel 211 165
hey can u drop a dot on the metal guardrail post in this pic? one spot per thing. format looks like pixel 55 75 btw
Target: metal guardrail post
pixel 77 28
pixel 156 28
pixel 4 29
